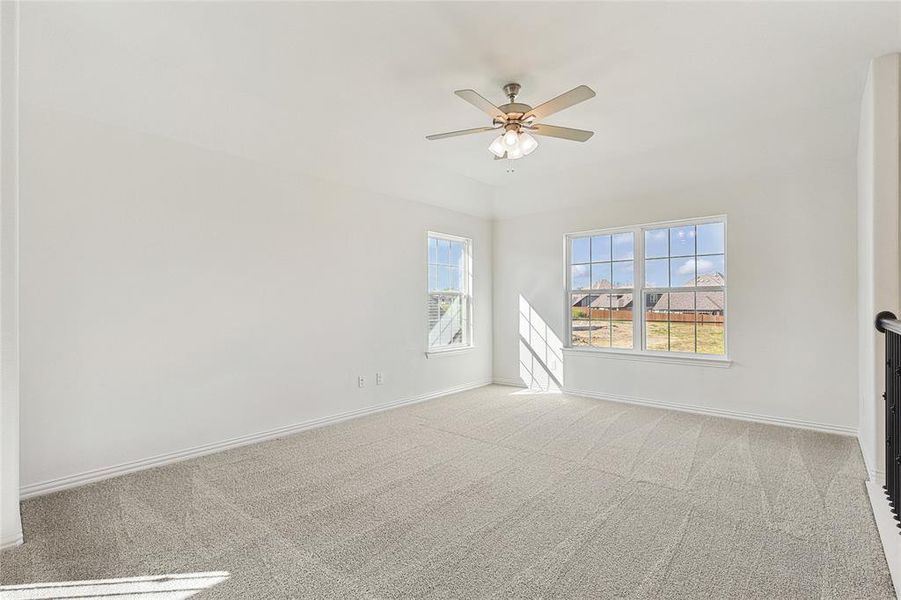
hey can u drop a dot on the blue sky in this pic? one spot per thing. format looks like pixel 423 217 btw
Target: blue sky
pixel 445 264
pixel 675 256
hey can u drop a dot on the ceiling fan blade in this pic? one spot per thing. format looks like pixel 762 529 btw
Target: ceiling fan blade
pixel 565 100
pixel 565 133
pixel 477 100
pixel 449 134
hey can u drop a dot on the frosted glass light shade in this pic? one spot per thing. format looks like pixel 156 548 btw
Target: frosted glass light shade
pixel 514 153
pixel 497 147
pixel 527 143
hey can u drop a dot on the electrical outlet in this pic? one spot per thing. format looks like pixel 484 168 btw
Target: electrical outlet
pixel 361 381
pixel 379 380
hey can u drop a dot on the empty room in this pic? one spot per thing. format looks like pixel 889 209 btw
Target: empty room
pixel 471 300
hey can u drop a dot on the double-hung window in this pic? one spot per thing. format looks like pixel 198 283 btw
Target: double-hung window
pixel 450 292
pixel 658 288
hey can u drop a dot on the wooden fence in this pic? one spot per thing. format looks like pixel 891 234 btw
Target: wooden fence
pixel 605 314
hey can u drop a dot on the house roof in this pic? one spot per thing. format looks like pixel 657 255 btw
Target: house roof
pixel 605 300
pixel 706 299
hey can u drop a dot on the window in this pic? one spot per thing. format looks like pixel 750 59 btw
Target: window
pixel 657 288
pixel 450 301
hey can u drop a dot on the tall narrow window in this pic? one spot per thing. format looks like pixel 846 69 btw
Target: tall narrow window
pixel 450 289
pixel 654 288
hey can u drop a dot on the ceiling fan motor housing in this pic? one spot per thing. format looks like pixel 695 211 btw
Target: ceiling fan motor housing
pixel 515 109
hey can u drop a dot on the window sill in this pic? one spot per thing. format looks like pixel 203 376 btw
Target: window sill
pixel 448 351
pixel 674 359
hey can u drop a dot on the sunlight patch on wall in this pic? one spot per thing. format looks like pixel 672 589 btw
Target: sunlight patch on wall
pixel 540 351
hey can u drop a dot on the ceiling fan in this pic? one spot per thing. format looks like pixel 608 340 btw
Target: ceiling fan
pixel 518 121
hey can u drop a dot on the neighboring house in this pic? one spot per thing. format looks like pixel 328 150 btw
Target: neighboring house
pixel 708 302
pixel 614 301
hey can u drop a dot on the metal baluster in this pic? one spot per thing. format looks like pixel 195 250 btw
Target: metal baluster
pixel 891 464
pixel 888 324
pixel 889 398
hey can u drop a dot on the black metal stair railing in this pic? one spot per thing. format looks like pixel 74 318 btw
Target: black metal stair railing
pixel 888 324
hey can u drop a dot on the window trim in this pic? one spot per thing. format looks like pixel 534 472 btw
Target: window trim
pixel 465 293
pixel 638 296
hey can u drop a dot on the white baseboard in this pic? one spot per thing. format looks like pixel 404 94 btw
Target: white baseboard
pixel 509 381
pixel 70 481
pixel 11 541
pixel 718 412
pixel 872 474
pixel 888 531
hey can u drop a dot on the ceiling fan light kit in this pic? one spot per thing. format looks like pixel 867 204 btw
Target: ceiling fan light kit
pixel 519 121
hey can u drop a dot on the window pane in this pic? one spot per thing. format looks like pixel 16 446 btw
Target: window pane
pixel 711 270
pixel 581 277
pixel 445 320
pixel 711 322
pixel 656 325
pixel 712 238
pixel 600 320
pixel 580 249
pixel 656 273
pixel 711 338
pixel 580 322
pixel 443 252
pixel 456 254
pixel 600 248
pixel 433 250
pixel 600 334
pixel 433 277
pixel 454 281
pixel 623 274
pixel 623 246
pixel 682 272
pixel 711 306
pixel 656 306
pixel 682 240
pixel 622 334
pixel 655 243
pixel 600 276
pixel 621 326
pixel 600 307
pixel 681 337
pixel 448 279
pixel 657 335
pixel 681 306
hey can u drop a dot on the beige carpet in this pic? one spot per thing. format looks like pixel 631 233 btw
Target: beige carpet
pixel 493 493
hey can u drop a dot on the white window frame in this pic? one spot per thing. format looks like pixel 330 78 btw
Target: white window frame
pixel 639 291
pixel 465 295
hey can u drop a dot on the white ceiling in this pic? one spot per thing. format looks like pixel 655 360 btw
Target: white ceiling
pixel 348 91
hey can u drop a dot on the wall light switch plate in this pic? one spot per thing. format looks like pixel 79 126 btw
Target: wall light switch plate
pixel 379 380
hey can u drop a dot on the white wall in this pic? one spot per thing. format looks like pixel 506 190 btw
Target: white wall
pixel 879 268
pixel 792 278
pixel 10 523
pixel 173 296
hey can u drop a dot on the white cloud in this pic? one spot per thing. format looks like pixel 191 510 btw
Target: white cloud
pixel 688 267
pixel 581 270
